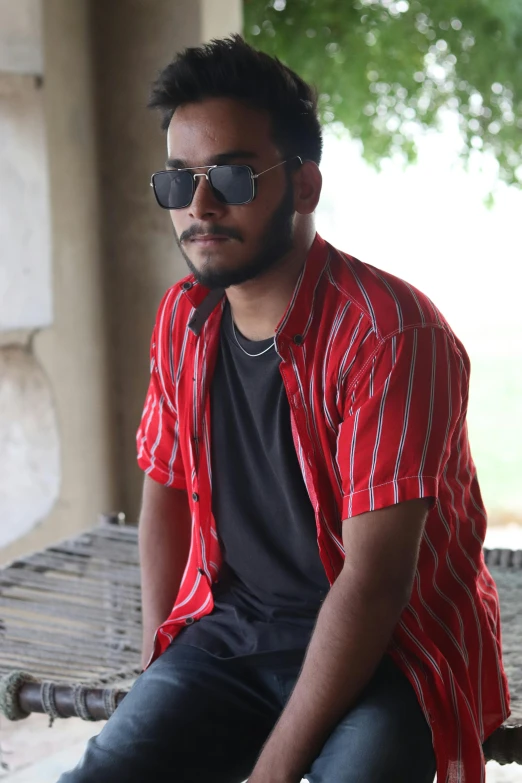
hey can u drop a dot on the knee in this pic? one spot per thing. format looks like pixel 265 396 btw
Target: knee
pixel 376 747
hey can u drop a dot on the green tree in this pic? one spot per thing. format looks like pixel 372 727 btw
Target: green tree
pixel 386 68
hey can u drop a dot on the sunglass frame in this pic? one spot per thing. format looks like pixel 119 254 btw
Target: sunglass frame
pixel 253 180
pixel 208 176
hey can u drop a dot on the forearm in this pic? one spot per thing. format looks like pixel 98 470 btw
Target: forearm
pixel 160 577
pixel 164 540
pixel 351 635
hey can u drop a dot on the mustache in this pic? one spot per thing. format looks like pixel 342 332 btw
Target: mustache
pixel 219 231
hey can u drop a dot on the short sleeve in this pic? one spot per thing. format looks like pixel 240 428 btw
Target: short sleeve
pixel 400 415
pixel 158 436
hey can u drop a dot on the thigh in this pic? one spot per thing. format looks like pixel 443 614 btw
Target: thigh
pixel 384 738
pixel 190 717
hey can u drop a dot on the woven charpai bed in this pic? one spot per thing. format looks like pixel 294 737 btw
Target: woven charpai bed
pixel 70 629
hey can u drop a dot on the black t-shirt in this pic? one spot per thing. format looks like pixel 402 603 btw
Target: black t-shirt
pixel 272 581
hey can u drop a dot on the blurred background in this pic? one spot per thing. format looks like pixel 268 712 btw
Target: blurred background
pixel 422 104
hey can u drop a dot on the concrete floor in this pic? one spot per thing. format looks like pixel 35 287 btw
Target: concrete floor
pixel 34 753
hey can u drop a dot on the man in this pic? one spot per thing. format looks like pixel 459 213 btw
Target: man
pixel 315 599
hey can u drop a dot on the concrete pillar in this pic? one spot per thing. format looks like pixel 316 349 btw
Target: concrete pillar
pixel 21 47
pixel 220 18
pixel 25 257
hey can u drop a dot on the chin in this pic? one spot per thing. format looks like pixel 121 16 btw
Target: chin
pixel 216 266
pixel 213 274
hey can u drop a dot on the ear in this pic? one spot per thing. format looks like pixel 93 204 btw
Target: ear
pixel 308 182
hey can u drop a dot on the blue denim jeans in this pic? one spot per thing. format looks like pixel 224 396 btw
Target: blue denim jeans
pixel 195 718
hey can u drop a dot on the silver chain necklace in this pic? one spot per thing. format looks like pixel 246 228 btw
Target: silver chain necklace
pixel 252 355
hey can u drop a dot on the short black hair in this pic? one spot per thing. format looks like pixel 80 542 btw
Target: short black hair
pixel 231 68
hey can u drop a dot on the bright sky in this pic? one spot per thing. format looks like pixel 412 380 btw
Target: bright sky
pixel 429 225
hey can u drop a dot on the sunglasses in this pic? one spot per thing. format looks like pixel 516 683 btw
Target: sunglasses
pixel 174 189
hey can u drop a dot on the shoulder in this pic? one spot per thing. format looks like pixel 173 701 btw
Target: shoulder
pixel 390 304
pixel 390 321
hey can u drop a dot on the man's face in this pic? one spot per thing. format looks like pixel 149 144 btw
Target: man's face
pixel 227 245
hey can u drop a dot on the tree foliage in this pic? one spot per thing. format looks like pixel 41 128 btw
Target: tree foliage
pixel 385 68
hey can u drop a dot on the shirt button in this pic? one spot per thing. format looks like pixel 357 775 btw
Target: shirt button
pixel 201 571
pixel 189 621
pixel 195 497
pixel 298 339
pixel 186 286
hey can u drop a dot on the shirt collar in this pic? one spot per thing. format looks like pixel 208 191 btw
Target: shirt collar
pixel 298 316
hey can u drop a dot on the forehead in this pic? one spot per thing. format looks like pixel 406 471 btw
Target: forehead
pixel 198 131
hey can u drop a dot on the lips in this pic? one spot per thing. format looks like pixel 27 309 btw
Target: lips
pixel 209 239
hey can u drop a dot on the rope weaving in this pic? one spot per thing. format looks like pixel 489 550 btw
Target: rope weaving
pixel 505 566
pixel 80 702
pixel 71 616
pixel 47 694
pixel 10 687
pixel 109 700
pixel 72 612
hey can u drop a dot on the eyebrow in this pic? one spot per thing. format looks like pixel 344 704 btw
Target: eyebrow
pixel 216 160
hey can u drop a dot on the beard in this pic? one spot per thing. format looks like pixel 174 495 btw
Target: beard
pixel 277 242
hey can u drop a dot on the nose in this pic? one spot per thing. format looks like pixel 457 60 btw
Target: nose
pixel 205 205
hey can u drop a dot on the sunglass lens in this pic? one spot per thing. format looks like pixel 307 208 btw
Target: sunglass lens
pixel 173 189
pixel 232 184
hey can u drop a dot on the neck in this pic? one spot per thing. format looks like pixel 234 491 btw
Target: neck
pixel 258 305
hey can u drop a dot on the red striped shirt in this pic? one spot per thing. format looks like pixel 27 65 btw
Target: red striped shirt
pixel 378 389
